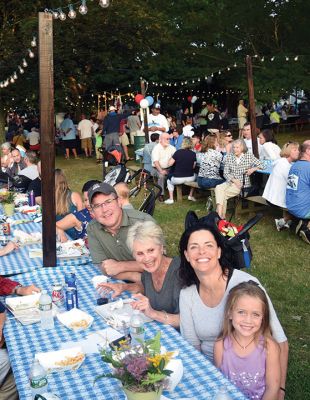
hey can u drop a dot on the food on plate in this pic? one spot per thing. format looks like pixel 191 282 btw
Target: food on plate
pixel 70 360
pixel 79 324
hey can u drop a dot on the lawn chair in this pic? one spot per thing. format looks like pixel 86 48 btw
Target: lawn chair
pixel 237 250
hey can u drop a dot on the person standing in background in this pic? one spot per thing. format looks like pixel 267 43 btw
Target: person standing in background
pixel 134 125
pixel 85 131
pixel 68 134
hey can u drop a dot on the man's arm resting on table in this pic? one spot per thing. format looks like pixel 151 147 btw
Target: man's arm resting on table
pixel 113 267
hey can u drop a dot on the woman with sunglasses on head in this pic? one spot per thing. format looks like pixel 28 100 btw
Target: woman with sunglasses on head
pixel 275 189
pixel 207 276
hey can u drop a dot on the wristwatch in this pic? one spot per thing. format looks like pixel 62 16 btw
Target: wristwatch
pixel 17 287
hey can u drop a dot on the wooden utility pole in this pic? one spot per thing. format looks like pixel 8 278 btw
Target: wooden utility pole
pixel 46 75
pixel 144 110
pixel 248 61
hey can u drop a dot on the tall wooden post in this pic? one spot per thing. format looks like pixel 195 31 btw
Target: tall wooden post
pixel 248 61
pixel 46 74
pixel 145 121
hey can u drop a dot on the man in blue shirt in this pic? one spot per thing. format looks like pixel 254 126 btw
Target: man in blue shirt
pixel 68 133
pixel 298 191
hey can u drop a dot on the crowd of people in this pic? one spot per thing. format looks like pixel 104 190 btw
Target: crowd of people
pixel 224 312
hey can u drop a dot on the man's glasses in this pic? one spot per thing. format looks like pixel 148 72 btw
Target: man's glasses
pixel 106 203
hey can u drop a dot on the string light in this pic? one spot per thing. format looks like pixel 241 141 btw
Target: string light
pixel 62 15
pixel 83 8
pixel 71 13
pixel 25 64
pixel 33 42
pixel 104 3
pixel 31 54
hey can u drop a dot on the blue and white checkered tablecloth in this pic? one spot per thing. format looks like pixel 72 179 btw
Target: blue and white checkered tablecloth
pixel 19 262
pixel 201 379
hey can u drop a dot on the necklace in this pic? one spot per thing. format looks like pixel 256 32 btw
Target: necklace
pixel 243 347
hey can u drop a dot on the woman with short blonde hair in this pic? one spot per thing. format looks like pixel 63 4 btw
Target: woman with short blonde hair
pixel 158 287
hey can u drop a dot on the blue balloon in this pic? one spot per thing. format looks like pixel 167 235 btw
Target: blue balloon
pixel 150 100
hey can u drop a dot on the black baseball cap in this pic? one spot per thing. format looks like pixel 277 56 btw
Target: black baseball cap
pixel 103 188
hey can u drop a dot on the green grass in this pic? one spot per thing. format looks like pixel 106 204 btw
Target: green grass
pixel 281 262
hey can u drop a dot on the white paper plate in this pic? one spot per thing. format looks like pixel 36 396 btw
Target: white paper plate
pixel 99 279
pixel 23 302
pixel 116 316
pixel 61 360
pixel 76 319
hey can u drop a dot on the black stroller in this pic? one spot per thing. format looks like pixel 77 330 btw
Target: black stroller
pixel 237 249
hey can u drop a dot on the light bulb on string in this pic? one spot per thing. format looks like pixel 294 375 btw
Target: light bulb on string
pixel 12 79
pixel 25 64
pixel 262 59
pixel 33 42
pixel 21 70
pixel 287 58
pixel 31 54
pixel 272 58
pixel 15 75
pixel 55 14
pixel 296 58
pixel 235 65
pixel 104 3
pixel 83 8
pixel 1 85
pixel 62 15
pixel 71 13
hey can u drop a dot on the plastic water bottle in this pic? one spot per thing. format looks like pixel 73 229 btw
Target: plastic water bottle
pixel 136 328
pixel 46 311
pixel 38 379
pixel 222 394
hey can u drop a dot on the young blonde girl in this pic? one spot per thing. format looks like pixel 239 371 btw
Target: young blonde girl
pixel 245 351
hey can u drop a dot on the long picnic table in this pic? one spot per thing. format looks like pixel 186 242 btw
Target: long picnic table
pixel 201 380
pixel 19 262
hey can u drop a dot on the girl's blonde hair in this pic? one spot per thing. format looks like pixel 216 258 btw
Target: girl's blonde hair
pixel 62 193
pixel 251 289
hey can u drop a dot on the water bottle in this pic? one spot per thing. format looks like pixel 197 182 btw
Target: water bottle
pixel 246 254
pixel 46 311
pixel 136 328
pixel 37 379
pixel 222 394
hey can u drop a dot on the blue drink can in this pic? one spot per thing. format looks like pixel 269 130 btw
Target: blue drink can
pixel 70 298
pixel 70 279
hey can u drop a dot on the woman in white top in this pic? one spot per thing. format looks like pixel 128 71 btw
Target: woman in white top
pixel 207 277
pixel 275 189
pixel 269 149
